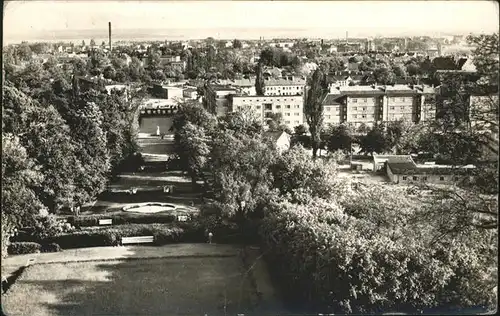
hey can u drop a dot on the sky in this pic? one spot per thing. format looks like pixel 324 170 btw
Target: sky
pixel 23 19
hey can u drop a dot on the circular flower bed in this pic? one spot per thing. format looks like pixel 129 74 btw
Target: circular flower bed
pixel 149 208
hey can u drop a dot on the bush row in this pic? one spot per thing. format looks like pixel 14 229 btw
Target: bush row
pixel 120 219
pixel 21 248
pixel 325 258
pixel 110 236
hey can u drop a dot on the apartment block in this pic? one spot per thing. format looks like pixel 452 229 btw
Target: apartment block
pixel 290 107
pixel 376 104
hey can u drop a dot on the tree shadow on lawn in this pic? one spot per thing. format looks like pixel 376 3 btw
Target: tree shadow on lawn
pixel 182 286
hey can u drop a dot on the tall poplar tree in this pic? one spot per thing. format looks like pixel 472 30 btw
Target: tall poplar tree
pixel 313 108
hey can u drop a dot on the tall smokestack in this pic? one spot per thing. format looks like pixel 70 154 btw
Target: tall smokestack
pixel 109 27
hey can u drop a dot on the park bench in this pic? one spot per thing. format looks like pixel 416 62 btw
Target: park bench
pixel 137 240
pixel 106 221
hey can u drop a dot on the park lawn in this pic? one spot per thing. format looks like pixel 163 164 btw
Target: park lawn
pixel 182 286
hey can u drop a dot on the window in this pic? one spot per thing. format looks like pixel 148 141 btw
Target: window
pixel 297 113
pixel 402 108
pixel 328 109
pixel 297 106
pixel 268 106
pixel 441 178
pixel 287 106
pixel 257 100
pixel 297 122
pixel 287 122
pixel 258 107
pixel 363 116
pixel 354 100
pixel 287 114
pixel 364 108
pixel 355 116
pixel 278 107
pixel 393 99
pixel 415 178
pixel 328 117
pixel 403 100
pixel 392 108
pixel 354 108
pixel 364 100
pixel 404 177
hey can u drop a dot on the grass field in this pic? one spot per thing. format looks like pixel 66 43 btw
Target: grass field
pixel 185 286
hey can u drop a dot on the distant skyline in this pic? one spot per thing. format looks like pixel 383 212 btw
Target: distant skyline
pixel 63 20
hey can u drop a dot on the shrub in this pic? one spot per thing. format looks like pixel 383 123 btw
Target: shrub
pixel 52 247
pixel 49 226
pixel 120 219
pixel 109 236
pixel 343 264
pixel 20 248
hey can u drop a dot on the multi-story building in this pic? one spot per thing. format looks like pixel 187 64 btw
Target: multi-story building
pixel 290 107
pixel 376 104
pixel 291 86
pixel 285 86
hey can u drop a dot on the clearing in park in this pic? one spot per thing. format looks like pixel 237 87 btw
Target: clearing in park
pixel 190 285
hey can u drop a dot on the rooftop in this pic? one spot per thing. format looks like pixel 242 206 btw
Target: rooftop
pixel 403 164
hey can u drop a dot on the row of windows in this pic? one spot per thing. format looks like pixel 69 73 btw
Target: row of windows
pixel 284 88
pixel 330 116
pixel 277 107
pixel 271 100
pixel 284 93
pixel 355 100
pixel 328 109
pixel 295 122
pixel 424 178
pixel 392 99
pixel 363 116
pixel 296 114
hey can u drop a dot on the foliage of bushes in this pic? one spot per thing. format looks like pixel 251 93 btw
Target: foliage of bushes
pixel 339 263
pixel 119 219
pixel 21 248
pixel 52 247
pixel 110 236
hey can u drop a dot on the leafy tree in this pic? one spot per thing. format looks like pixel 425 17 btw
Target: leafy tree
pixel 241 122
pixel 259 80
pixel 24 51
pixel 384 75
pixel 374 142
pixel 239 167
pixel 193 150
pixel 237 44
pixel 92 42
pixel 313 108
pixel 20 177
pixel 267 56
pixel 295 174
pixel 136 70
pixel 109 72
pixel 300 130
pixel 339 138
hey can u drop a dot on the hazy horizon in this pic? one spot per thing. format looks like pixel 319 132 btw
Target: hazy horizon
pixel 171 20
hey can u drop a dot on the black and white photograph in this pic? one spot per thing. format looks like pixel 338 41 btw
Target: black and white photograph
pixel 237 158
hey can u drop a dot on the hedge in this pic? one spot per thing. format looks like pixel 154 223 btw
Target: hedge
pixel 52 247
pixel 120 219
pixel 21 248
pixel 110 236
